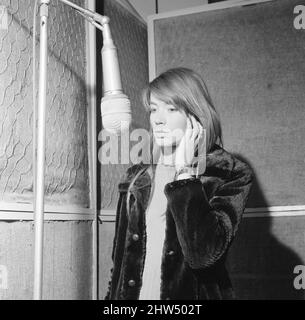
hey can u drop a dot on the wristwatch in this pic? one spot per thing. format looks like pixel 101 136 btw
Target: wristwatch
pixel 185 173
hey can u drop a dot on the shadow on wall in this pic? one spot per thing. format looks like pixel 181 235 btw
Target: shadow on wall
pixel 264 254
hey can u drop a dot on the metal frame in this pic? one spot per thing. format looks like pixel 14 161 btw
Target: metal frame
pixel 262 212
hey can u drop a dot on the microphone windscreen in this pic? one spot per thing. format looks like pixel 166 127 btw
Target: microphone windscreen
pixel 116 113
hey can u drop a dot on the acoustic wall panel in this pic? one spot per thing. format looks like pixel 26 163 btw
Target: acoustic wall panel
pixel 252 59
pixel 264 255
pixel 67 260
pixel 130 37
pixel 67 177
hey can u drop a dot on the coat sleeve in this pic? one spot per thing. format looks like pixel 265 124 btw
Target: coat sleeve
pixel 205 227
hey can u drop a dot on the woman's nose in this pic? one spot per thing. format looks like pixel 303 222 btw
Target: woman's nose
pixel 160 118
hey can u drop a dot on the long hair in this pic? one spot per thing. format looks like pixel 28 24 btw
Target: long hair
pixel 186 90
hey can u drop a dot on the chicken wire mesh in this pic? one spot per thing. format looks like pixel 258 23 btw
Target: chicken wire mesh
pixel 67 171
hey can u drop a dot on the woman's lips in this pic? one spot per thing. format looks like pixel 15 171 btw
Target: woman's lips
pixel 160 134
pixel 160 131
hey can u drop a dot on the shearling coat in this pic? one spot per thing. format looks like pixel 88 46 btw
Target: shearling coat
pixel 202 218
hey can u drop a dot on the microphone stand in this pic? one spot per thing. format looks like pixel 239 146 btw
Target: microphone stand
pixel 102 24
pixel 40 168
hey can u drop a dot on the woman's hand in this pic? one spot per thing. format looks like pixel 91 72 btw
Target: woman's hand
pixel 185 152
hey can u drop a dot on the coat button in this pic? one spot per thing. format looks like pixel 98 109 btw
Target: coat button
pixel 135 237
pixel 131 283
pixel 167 298
pixel 170 253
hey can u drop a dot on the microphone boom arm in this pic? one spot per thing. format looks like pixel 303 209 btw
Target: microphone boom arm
pixel 88 14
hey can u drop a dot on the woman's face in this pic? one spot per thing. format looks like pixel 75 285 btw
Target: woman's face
pixel 167 122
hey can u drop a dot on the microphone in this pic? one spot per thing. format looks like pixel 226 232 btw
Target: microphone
pixel 115 105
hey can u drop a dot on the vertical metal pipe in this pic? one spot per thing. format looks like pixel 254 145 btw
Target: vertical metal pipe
pixel 91 80
pixel 40 167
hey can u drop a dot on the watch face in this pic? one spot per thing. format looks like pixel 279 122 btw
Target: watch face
pixel 185 173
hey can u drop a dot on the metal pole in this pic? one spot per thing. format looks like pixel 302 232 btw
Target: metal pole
pixel 41 115
pixel 40 167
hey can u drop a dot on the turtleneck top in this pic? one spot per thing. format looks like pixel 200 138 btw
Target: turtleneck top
pixel 155 232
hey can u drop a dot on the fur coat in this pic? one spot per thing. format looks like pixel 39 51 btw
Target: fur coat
pixel 202 217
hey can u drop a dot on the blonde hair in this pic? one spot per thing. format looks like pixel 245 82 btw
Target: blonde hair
pixel 187 91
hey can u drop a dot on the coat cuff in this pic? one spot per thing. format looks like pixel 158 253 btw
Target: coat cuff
pixel 192 186
pixel 171 186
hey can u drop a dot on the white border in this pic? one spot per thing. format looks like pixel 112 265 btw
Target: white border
pixel 203 8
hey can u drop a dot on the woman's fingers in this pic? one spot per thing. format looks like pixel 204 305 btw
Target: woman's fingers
pixel 189 144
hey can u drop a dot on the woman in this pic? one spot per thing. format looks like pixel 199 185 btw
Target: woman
pixel 177 216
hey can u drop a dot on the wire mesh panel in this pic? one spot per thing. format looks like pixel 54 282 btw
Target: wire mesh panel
pixel 67 173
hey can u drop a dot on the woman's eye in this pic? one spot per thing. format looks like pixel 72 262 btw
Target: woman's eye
pixel 172 109
pixel 152 109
